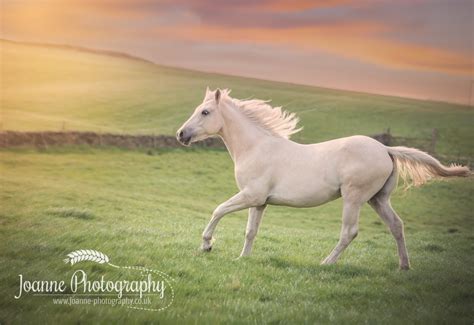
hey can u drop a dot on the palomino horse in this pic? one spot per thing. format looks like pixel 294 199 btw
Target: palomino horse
pixel 271 169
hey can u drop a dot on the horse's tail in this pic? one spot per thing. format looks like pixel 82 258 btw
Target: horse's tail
pixel 417 167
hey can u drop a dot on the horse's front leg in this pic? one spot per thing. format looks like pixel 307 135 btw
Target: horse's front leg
pixel 255 216
pixel 241 200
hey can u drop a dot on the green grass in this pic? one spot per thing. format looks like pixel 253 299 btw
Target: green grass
pixel 46 88
pixel 150 210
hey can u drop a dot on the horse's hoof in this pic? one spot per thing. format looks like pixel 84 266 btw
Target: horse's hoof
pixel 206 248
pixel 404 267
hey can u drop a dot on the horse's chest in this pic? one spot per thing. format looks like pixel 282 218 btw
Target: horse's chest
pixel 243 179
pixel 253 176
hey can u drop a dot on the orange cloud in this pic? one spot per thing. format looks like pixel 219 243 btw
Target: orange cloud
pixel 296 5
pixel 353 40
pixel 110 19
pixel 54 19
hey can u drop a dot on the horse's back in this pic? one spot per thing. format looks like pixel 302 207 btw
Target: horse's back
pixel 356 157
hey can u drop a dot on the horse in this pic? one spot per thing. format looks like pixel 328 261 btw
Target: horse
pixel 270 169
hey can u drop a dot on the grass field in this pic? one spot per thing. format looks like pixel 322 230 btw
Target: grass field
pixel 149 208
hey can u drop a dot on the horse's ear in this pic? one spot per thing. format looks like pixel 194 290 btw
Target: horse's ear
pixel 218 95
pixel 207 90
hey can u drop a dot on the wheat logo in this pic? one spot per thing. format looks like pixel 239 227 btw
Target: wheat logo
pixel 90 255
pixel 86 255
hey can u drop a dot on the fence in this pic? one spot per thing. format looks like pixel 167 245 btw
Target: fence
pixel 65 138
pixel 46 139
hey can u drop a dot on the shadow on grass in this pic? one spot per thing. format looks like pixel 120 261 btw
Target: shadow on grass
pixel 340 270
pixel 75 213
pixel 336 270
pixel 434 248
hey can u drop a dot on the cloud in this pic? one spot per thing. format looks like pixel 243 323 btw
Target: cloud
pixel 356 40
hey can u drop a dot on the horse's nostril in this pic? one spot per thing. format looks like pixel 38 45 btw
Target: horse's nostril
pixel 181 134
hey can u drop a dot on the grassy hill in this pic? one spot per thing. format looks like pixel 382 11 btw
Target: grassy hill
pixel 149 208
pixel 48 88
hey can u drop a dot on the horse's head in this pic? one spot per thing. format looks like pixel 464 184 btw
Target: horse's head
pixel 204 122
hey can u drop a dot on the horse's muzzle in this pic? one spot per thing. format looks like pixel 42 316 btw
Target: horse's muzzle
pixel 184 137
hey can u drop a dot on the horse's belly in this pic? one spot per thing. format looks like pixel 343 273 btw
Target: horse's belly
pixel 304 195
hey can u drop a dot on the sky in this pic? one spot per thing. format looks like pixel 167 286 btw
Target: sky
pixel 410 48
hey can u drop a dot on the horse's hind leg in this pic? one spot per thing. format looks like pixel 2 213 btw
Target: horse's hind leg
pixel 381 204
pixel 350 221
pixel 393 221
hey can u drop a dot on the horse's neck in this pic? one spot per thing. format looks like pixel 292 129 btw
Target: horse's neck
pixel 239 134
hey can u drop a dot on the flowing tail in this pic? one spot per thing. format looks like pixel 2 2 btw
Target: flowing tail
pixel 417 167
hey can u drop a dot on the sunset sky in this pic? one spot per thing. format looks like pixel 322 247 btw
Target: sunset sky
pixel 413 48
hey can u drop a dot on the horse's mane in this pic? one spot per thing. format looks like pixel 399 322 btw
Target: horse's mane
pixel 273 119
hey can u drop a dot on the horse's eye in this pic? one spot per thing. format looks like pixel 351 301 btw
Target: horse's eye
pixel 205 112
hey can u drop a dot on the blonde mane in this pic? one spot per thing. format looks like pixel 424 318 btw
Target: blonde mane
pixel 273 119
